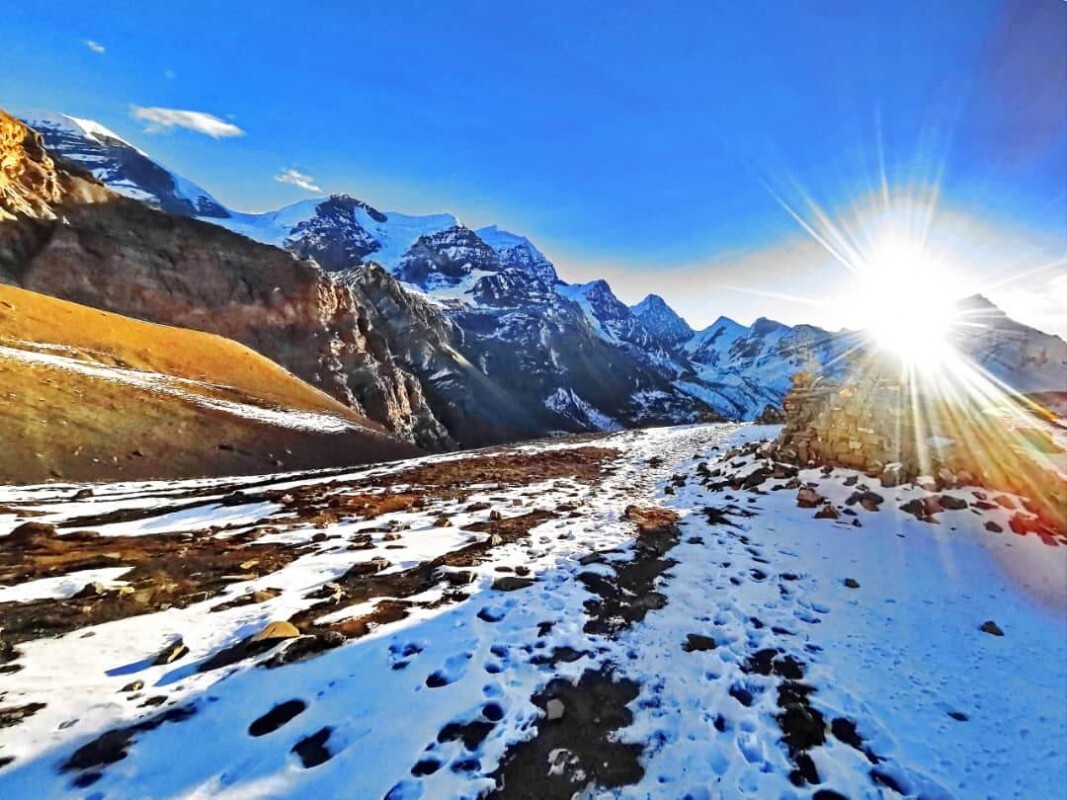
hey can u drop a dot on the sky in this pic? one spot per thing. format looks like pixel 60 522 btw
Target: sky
pixel 696 149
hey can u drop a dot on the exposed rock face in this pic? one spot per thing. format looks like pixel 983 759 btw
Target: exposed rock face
pixel 445 258
pixel 333 236
pixel 519 252
pixel 30 185
pixel 518 363
pixel 122 256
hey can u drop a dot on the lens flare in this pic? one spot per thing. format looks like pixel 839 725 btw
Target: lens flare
pixel 905 299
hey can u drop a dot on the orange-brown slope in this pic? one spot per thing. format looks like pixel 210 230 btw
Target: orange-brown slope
pixel 89 395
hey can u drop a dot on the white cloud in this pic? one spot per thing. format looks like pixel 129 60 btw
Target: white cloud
pixel 95 46
pixel 294 178
pixel 170 74
pixel 163 119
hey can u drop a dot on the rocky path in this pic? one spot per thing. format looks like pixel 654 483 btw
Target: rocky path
pixel 648 614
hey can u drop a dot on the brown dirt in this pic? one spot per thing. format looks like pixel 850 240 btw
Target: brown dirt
pixel 60 424
pixel 166 569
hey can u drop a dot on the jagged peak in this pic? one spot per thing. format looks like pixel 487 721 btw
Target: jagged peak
pixel 651 301
pixel 349 204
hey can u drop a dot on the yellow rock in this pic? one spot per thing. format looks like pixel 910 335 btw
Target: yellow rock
pixel 277 630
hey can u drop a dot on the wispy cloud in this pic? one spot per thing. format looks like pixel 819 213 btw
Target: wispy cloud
pixel 170 74
pixel 95 46
pixel 294 178
pixel 163 119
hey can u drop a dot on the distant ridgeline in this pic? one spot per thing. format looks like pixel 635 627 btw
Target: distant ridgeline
pixel 896 432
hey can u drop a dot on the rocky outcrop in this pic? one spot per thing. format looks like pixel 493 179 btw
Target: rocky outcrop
pixel 120 255
pixel 898 432
pixel 30 184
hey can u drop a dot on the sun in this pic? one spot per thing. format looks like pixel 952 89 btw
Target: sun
pixel 904 297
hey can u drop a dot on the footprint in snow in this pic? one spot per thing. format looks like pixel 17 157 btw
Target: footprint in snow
pixel 454 668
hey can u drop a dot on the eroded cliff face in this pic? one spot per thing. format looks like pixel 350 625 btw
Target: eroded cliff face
pixel 65 235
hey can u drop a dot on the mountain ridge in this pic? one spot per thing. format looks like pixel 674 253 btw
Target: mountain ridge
pixel 496 288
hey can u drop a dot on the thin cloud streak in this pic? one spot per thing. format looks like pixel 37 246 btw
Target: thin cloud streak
pixel 164 119
pixel 95 46
pixel 298 179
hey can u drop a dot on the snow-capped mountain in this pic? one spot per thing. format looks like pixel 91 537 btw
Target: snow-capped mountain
pixel 339 231
pixel 518 252
pixel 122 167
pixel 750 367
pixel 1025 358
pixel 562 356
pixel 662 321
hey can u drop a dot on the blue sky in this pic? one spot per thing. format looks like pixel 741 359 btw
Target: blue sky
pixel 645 142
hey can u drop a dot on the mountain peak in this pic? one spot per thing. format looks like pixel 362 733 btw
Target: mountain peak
pixel 120 166
pixel 662 321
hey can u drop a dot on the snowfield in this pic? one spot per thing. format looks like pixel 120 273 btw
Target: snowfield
pixel 645 614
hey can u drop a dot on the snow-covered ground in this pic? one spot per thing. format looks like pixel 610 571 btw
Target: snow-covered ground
pixel 752 651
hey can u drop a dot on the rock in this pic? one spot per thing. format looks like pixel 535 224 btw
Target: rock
pixel 867 499
pixel 946 477
pixel 171 653
pixel 1023 524
pixel 554 709
pixel 951 503
pixel 827 512
pixel 916 507
pixel 1002 500
pixel 852 583
pixel 28 531
pixel 892 475
pixel 442 522
pixel 82 494
pixel 808 497
pixel 993 527
pixel 279 629
pixel 132 686
pixel 697 642
pixel 510 583
pixel 495 516
pixel 991 628
pixel 93 589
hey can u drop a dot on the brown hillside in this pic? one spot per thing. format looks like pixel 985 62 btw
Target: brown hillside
pixel 88 395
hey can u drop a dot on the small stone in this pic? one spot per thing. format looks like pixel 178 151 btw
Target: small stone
pixel 991 628
pixel 82 494
pixel 442 522
pixel 951 503
pixel 826 512
pixel 172 652
pixel 698 642
pixel 992 527
pixel 132 686
pixel 852 583
pixel 93 589
pixel 510 583
pixel 554 709
pixel 808 497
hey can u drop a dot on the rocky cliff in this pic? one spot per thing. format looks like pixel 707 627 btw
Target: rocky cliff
pixel 120 255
